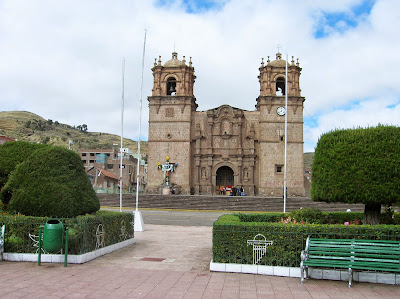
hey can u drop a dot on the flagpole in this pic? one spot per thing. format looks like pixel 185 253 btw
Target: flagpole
pixel 139 226
pixel 122 133
pixel 286 136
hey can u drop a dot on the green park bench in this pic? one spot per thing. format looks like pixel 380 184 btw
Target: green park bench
pixel 2 230
pixel 351 254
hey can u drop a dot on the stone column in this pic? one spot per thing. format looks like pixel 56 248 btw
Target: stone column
pixel 211 188
pixel 197 176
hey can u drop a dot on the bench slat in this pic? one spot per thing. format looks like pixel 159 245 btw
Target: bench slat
pixel 377 255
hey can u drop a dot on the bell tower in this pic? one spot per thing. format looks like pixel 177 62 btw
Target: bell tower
pixel 271 137
pixel 273 74
pixel 171 110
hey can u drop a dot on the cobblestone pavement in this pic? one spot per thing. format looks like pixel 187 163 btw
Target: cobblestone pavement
pixel 166 262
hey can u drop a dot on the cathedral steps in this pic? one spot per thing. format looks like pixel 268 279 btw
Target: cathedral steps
pixel 221 203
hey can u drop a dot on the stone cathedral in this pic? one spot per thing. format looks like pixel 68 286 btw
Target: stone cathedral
pixel 226 146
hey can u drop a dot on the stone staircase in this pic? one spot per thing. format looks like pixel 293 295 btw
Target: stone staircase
pixel 221 203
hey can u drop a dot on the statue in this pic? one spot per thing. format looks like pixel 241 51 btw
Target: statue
pixel 167 168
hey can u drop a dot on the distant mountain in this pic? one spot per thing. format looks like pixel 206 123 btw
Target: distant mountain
pixel 308 160
pixel 27 126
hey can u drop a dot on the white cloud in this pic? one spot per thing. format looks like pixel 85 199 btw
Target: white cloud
pixel 368 113
pixel 62 59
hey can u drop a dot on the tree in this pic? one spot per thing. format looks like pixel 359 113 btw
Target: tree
pixel 46 139
pixel 27 124
pixel 50 182
pixel 358 166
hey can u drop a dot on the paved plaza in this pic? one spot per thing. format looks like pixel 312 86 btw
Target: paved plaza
pixel 166 262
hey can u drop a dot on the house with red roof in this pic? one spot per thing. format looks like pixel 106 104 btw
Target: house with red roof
pixel 4 139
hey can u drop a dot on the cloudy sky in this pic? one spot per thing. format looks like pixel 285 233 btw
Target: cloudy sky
pixel 63 59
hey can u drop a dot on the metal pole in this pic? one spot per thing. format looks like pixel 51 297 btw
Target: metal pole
pixel 140 126
pixel 66 247
pixel 40 246
pixel 95 179
pixel 138 222
pixel 122 134
pixel 286 136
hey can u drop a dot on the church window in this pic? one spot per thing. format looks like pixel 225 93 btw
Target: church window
pixel 171 87
pixel 280 86
pixel 278 168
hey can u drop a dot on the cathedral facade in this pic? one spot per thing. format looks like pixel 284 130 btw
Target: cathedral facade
pixel 225 147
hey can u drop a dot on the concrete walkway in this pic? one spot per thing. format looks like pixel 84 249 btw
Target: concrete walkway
pixel 166 262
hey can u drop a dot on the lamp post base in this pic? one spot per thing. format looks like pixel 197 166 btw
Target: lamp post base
pixel 139 225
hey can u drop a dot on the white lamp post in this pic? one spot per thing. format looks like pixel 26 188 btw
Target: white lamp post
pixel 139 225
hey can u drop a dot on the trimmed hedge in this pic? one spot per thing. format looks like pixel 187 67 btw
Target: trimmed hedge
pixel 315 216
pixel 358 166
pixel 230 236
pixel 13 153
pixel 50 182
pixel 82 237
pixel 259 217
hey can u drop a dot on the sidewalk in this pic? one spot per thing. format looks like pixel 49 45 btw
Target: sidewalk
pixel 166 262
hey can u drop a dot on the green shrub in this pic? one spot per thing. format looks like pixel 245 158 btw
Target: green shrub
pixel 260 217
pixel 82 237
pixel 358 166
pixel 342 217
pixel 309 215
pixel 312 216
pixel 230 237
pixel 50 182
pixel 13 153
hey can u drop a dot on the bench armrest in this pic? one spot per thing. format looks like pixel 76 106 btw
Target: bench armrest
pixel 303 255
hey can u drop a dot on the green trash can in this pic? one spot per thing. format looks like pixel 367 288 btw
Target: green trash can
pixel 53 236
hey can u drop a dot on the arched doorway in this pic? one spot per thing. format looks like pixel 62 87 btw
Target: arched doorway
pixel 225 177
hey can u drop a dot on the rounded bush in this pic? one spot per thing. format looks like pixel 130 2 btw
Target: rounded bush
pixel 50 182
pixel 13 153
pixel 358 166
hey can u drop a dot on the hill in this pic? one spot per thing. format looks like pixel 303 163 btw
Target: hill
pixel 27 126
pixel 308 160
